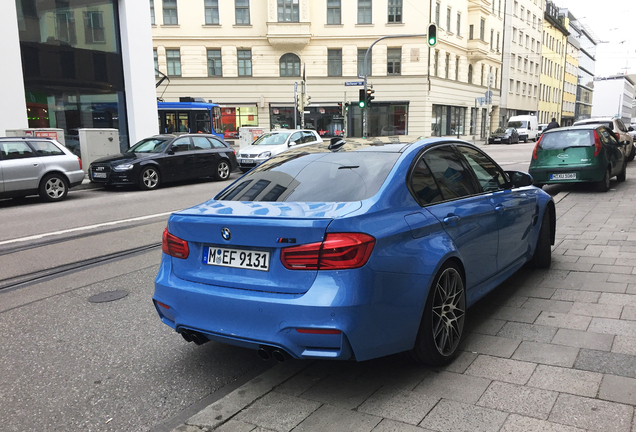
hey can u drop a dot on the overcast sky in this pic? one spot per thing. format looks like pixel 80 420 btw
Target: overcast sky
pixel 614 23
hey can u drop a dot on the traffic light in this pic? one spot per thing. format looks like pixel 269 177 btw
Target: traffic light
pixel 431 35
pixel 299 102
pixel 370 96
pixel 306 101
pixel 362 100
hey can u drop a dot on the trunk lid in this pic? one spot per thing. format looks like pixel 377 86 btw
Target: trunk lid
pixel 254 228
pixel 566 148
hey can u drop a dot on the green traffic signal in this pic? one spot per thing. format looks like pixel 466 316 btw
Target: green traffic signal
pixel 432 35
pixel 361 104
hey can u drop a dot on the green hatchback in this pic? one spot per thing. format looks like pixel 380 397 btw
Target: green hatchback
pixel 578 154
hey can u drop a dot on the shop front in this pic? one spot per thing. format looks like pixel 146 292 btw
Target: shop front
pixel 450 120
pixel 324 118
pixel 383 119
pixel 233 117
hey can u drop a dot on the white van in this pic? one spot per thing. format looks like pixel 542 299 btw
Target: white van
pixel 527 126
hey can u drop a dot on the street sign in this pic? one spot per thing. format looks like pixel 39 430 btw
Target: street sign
pixel 480 101
pixel 354 83
pixel 488 97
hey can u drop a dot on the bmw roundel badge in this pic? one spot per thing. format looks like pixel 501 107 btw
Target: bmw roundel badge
pixel 226 234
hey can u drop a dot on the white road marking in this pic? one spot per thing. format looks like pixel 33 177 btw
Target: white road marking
pixel 84 228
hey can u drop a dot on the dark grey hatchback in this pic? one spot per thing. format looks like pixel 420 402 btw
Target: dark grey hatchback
pixel 166 158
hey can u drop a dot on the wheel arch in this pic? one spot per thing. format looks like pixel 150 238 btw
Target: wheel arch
pixel 551 209
pixel 55 171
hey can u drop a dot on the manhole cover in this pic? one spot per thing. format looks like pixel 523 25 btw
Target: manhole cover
pixel 108 296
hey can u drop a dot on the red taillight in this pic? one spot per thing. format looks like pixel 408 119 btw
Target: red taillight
pixel 318 331
pixel 338 251
pixel 597 144
pixel 165 306
pixel 80 162
pixel 174 246
pixel 536 147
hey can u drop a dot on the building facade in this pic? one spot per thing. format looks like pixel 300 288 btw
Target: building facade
pixel 553 55
pixel 249 56
pixel 587 42
pixel 78 64
pixel 613 97
pixel 523 29
pixel 570 79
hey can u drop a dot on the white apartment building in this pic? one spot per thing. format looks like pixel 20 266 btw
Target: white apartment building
pixel 613 97
pixel 521 58
pixel 248 55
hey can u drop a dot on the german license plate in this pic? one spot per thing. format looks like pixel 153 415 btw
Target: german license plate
pixel 497 139
pixel 99 175
pixel 564 176
pixel 236 258
pixel 247 161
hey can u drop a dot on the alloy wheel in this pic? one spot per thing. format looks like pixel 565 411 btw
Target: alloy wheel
pixel 223 170
pixel 150 178
pixel 449 307
pixel 55 188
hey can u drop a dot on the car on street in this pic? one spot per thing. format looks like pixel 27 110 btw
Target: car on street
pixel 616 125
pixel 541 128
pixel 352 250
pixel 579 154
pixel 166 158
pixel 504 136
pixel 37 166
pixel 272 143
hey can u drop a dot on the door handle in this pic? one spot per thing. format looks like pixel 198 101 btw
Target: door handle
pixel 451 219
pixel 500 208
pixel 35 164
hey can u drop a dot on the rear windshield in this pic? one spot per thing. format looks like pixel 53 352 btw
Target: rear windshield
pixel 314 177
pixel 565 139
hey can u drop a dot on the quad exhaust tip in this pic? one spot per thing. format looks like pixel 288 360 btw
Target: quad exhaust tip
pixel 192 336
pixel 267 353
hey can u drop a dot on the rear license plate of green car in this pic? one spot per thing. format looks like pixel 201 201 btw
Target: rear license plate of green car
pixel 563 176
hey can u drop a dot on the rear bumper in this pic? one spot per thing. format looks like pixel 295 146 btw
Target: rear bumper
pixel 75 178
pixel 583 174
pixel 377 313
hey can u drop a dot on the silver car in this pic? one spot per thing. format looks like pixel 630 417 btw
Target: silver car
pixel 37 166
pixel 272 143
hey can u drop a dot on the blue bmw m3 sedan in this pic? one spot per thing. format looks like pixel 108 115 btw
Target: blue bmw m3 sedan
pixel 352 250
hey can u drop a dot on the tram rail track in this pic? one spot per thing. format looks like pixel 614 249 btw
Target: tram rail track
pixel 38 276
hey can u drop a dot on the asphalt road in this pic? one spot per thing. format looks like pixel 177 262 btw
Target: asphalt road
pixel 68 364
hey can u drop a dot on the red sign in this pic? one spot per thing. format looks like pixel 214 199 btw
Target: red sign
pixel 250 117
pixel 49 134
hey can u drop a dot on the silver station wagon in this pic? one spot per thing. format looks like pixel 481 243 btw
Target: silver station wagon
pixel 37 166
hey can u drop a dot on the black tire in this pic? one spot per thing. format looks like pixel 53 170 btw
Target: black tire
pixel 604 184
pixel 53 187
pixel 443 319
pixel 222 170
pixel 542 257
pixel 150 178
pixel 622 176
pixel 631 154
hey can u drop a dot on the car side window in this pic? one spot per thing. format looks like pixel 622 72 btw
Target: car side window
pixel 45 148
pixel 423 185
pixel 216 143
pixel 449 172
pixel 489 176
pixel 15 150
pixel 606 136
pixel 309 137
pixel 181 144
pixel 621 125
pixel 297 137
pixel 201 143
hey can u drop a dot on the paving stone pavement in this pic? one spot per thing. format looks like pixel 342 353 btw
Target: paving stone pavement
pixel 548 350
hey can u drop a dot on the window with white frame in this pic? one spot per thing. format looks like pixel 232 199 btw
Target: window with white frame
pixel 395 11
pixel 242 12
pixel 364 12
pixel 334 62
pixel 152 12
pixel 94 27
pixel 244 57
pixel 394 61
pixel 211 12
pixel 170 12
pixel 333 12
pixel 214 62
pixel 288 11
pixel 173 59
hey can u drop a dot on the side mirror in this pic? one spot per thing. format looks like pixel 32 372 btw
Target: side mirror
pixel 630 129
pixel 519 178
